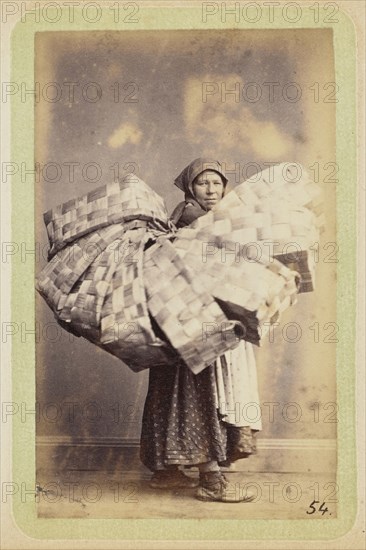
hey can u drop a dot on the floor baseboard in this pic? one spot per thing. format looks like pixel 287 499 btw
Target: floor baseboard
pixel 113 454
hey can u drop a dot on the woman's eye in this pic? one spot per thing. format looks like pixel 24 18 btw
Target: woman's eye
pixel 207 183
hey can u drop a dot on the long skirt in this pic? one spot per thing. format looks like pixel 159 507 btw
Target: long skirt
pixel 190 419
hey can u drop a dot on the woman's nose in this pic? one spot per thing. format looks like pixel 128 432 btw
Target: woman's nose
pixel 210 189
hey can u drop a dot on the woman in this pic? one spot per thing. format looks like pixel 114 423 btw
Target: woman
pixel 197 420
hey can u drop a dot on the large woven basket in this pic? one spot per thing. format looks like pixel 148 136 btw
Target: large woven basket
pixel 67 267
pixel 115 202
pixel 283 232
pixel 197 290
pixel 250 288
pixel 186 312
pixel 277 212
pixel 103 298
pixel 283 183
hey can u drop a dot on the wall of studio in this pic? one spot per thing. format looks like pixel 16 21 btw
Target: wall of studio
pixel 248 98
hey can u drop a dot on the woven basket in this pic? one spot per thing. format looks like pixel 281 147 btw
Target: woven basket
pixel 101 295
pixel 278 211
pixel 187 314
pixel 282 183
pixel 126 326
pixel 68 266
pixel 121 201
pixel 282 231
pixel 220 279
pixel 249 288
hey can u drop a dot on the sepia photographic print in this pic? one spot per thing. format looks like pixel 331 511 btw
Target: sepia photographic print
pixel 184 266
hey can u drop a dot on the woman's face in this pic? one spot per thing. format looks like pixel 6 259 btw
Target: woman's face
pixel 208 188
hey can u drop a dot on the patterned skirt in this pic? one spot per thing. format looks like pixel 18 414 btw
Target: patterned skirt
pixel 182 424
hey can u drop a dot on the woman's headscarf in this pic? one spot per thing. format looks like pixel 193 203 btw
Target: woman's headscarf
pixel 185 179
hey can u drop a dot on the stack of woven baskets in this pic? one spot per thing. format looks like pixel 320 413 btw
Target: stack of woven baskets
pixel 94 281
pixel 121 276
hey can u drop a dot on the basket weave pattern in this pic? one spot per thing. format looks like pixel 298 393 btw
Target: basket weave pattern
pixel 193 293
pixel 278 211
pixel 67 267
pixel 251 288
pixel 189 316
pixel 107 303
pixel 115 202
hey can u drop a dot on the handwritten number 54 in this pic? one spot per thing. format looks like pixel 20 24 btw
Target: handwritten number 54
pixel 313 508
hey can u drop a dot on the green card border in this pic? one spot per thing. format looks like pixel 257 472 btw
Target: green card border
pixel 23 302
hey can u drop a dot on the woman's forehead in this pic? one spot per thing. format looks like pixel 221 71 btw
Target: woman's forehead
pixel 208 174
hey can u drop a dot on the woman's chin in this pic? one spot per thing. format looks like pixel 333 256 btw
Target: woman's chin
pixel 210 205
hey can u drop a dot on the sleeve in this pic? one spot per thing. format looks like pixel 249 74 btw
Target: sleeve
pixel 187 214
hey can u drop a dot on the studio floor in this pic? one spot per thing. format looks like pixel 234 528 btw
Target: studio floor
pixel 72 493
